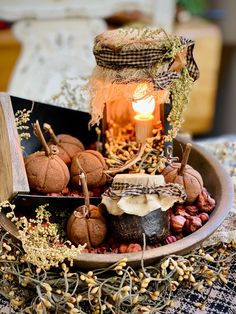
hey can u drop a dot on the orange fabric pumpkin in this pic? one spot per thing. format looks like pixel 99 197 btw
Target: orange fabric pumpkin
pixel 68 145
pixel 185 175
pixel 86 225
pixel 46 172
pixel 93 165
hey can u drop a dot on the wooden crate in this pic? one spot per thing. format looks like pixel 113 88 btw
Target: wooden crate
pixel 13 179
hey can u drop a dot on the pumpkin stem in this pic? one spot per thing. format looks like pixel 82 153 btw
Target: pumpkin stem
pixel 84 184
pixel 47 127
pixel 38 132
pixel 185 158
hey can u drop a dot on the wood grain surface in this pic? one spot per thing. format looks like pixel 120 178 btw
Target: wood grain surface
pixel 13 177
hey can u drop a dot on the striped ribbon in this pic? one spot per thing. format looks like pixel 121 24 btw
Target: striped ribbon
pixel 120 189
pixel 146 58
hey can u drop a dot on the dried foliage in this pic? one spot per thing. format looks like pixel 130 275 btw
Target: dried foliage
pixel 22 117
pixel 116 289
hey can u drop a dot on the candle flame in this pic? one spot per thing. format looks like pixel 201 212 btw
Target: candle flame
pixel 143 103
pixel 144 106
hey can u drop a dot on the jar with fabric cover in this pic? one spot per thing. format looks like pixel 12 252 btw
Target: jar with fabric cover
pixel 140 86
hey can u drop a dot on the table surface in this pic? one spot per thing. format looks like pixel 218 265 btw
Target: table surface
pixel 219 298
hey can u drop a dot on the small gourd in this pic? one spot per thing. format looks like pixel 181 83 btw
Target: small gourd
pixel 93 164
pixel 68 145
pixel 86 225
pixel 185 175
pixel 46 172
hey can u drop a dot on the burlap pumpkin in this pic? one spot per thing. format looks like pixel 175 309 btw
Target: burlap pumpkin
pixel 93 165
pixel 68 145
pixel 46 172
pixel 185 175
pixel 86 226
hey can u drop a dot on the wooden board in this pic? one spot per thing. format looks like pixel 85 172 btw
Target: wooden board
pixel 13 177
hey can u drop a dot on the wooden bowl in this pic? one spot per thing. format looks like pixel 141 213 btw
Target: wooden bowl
pixel 217 182
pixel 14 184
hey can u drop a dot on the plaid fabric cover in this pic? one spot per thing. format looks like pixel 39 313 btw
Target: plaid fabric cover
pixel 118 190
pixel 145 58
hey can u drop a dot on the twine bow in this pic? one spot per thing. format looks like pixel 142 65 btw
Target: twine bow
pixel 119 189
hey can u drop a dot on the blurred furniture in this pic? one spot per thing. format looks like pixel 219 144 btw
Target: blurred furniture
pixel 9 53
pixel 199 115
pixel 53 51
pixel 60 49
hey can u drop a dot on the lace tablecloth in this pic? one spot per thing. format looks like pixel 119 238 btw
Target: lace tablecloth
pixel 218 298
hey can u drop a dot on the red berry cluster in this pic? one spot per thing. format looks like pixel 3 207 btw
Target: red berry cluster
pixel 187 218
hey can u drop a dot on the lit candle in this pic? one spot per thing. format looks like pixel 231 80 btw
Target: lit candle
pixel 144 118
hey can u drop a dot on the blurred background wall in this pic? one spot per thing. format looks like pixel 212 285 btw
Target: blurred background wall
pixel 42 41
pixel 225 113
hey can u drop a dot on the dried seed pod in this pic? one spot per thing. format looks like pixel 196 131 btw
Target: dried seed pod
pixel 191 210
pixel 204 217
pixel 205 202
pixel 177 223
pixel 46 172
pixel 86 225
pixel 68 145
pixel 185 175
pixel 192 224
pixel 170 239
pixel 93 165
pixel 180 210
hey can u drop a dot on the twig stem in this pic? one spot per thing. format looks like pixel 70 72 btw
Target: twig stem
pixel 47 127
pixel 39 134
pixel 185 158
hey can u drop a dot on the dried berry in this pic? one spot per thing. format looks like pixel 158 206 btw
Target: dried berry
pixel 134 247
pixel 204 217
pixel 123 248
pixel 205 202
pixel 181 210
pixel 192 224
pixel 177 223
pixel 170 239
pixel 191 210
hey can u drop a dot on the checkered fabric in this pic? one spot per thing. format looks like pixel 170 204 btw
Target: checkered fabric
pixel 218 299
pixel 119 189
pixel 107 57
pixel 163 80
pixel 191 64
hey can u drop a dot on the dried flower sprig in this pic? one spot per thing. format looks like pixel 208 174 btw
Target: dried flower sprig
pixel 118 288
pixel 42 240
pixel 22 117
pixel 180 90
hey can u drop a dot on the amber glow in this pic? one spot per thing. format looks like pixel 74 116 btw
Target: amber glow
pixel 144 105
